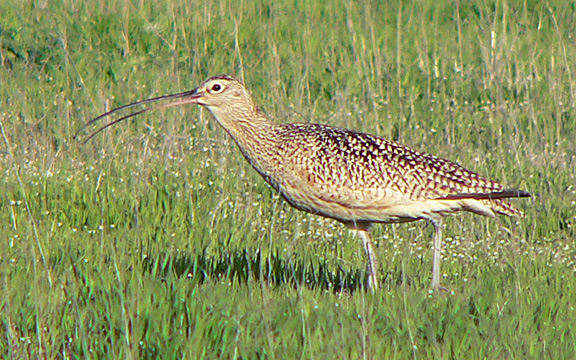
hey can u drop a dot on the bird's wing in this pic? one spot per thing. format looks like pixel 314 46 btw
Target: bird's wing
pixel 345 173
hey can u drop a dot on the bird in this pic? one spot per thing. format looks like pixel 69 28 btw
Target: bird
pixel 356 178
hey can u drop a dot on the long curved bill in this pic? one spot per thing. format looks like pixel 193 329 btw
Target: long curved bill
pixel 183 98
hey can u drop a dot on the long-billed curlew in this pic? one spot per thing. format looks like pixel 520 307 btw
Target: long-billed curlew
pixel 358 179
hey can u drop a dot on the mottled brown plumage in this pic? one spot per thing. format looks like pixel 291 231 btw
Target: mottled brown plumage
pixel 356 178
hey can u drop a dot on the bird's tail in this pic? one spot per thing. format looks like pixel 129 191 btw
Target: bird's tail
pixel 493 200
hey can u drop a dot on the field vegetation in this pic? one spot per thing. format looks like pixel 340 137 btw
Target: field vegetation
pixel 157 239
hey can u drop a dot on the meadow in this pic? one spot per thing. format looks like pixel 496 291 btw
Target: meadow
pixel 157 240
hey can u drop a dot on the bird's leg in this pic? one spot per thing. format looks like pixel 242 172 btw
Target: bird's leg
pixel 438 226
pixel 372 264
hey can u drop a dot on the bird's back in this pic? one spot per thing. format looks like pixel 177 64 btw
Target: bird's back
pixel 358 177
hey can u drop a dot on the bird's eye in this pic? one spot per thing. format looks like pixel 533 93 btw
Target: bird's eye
pixel 216 88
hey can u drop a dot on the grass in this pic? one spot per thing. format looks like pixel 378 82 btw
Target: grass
pixel 157 240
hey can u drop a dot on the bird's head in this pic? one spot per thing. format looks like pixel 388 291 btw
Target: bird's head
pixel 220 91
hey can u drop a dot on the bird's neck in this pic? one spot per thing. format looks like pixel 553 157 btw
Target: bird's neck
pixel 251 130
pixel 243 125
